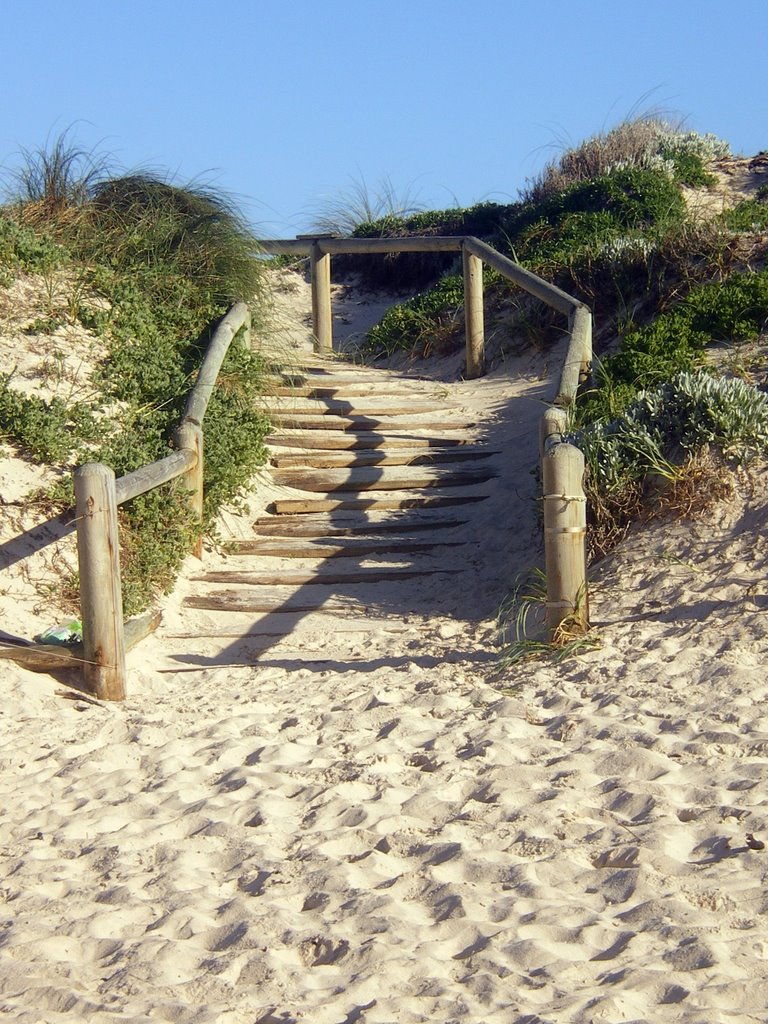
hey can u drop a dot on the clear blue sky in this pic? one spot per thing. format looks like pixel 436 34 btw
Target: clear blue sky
pixel 285 102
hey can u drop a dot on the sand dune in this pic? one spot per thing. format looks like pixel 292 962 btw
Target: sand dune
pixel 367 824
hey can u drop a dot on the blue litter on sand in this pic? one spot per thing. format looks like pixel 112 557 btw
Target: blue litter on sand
pixel 69 633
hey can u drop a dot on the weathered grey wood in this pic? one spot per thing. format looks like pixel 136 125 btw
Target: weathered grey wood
pixel 340 390
pixel 346 246
pixel 307 421
pixel 148 477
pixel 473 314
pixel 578 359
pixel 359 440
pixel 322 321
pixel 340 407
pixel 101 606
pixel 370 548
pixel 268 601
pixel 293 506
pixel 565 539
pixel 197 402
pixel 552 428
pixel 549 293
pixel 189 438
pixel 371 478
pixel 353 524
pixel 322 577
pixel 44 657
pixel 404 457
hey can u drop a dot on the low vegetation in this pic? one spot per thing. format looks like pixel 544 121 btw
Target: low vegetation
pixel 147 266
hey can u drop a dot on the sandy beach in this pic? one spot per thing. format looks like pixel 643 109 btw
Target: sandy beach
pixel 363 820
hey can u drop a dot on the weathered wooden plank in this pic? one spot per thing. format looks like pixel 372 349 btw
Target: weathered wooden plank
pixel 276 602
pixel 340 390
pixel 406 457
pixel 322 577
pixel 347 526
pixel 342 407
pixel 372 478
pixel 376 548
pixel 306 421
pixel 360 440
pixel 294 506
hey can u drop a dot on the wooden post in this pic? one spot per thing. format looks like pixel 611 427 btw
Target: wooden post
pixel 320 267
pixel 189 436
pixel 101 604
pixel 473 314
pixel 565 528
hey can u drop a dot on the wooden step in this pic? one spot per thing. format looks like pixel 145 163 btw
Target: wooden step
pixel 342 390
pixel 295 506
pixel 275 602
pixel 325 547
pixel 302 421
pixel 352 410
pixel 321 577
pixel 360 440
pixel 353 524
pixel 371 478
pixel 404 457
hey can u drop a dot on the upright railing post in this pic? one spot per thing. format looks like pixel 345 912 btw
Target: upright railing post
pixel 565 528
pixel 473 314
pixel 189 436
pixel 101 604
pixel 320 272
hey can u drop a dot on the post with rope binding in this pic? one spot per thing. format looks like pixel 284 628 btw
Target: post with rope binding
pixel 565 529
pixel 101 603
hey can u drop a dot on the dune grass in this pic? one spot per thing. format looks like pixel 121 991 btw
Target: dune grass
pixel 166 261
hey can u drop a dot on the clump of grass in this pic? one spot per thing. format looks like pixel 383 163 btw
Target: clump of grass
pixel 646 141
pixel 523 628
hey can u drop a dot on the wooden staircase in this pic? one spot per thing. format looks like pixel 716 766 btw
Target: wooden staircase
pixel 373 473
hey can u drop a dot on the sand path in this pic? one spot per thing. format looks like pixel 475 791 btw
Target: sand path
pixel 354 826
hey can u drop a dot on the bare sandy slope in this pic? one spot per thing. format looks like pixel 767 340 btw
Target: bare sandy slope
pixel 359 823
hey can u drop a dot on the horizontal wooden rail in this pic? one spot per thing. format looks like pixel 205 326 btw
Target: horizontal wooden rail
pixel 549 293
pixel 148 477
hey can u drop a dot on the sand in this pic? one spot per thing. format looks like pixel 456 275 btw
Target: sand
pixel 366 822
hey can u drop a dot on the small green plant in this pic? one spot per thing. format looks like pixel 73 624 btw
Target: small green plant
pixel 527 605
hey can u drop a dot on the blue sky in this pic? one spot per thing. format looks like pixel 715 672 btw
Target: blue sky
pixel 285 103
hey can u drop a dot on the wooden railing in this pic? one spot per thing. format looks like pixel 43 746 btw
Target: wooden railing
pixel 98 495
pixel 562 464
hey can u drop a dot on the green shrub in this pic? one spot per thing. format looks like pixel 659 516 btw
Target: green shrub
pixel 732 310
pixel 664 425
pixel 168 260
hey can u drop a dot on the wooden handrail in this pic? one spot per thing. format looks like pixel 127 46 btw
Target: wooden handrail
pixel 98 495
pixel 562 464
